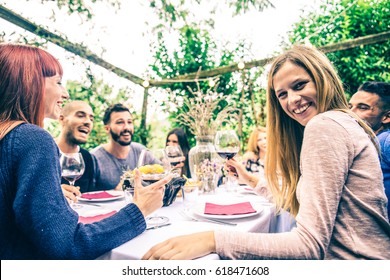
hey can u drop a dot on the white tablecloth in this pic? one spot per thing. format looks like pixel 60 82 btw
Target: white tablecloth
pixel 266 221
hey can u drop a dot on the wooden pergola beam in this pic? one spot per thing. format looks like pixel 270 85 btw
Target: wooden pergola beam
pixel 348 44
pixel 77 49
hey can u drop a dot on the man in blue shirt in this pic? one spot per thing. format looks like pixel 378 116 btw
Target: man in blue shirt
pixel 372 103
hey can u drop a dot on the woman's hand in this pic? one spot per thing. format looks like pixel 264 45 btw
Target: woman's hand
pixel 181 163
pixel 238 169
pixel 149 198
pixel 70 192
pixel 185 247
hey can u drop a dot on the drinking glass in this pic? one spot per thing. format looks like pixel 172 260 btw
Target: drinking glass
pixel 72 168
pixel 151 173
pixel 227 145
pixel 190 193
pixel 175 157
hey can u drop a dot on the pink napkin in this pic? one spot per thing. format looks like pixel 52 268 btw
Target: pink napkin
pixel 231 209
pixel 92 219
pixel 97 195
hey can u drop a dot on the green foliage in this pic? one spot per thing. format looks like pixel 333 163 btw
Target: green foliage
pixel 196 51
pixel 341 20
pixel 181 12
pixel 79 6
pixel 167 12
pixel 242 6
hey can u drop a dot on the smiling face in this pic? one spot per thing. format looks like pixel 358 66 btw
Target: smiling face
pixel 77 123
pixel 121 127
pixel 296 92
pixel 55 94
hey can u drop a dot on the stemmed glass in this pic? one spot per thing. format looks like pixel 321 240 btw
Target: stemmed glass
pixel 227 145
pixel 151 173
pixel 72 168
pixel 175 156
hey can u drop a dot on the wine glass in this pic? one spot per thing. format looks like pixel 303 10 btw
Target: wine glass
pixel 153 165
pixel 72 168
pixel 175 156
pixel 151 173
pixel 227 145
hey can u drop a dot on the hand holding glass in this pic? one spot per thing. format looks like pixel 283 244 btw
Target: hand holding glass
pixel 227 146
pixel 150 175
pixel 176 158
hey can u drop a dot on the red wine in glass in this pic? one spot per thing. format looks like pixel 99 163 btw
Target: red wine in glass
pixel 227 145
pixel 227 155
pixel 70 176
pixel 72 168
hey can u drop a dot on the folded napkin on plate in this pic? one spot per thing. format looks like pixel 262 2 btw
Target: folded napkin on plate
pixel 92 219
pixel 230 209
pixel 97 195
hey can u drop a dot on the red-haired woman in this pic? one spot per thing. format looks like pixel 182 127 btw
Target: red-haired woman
pixel 36 221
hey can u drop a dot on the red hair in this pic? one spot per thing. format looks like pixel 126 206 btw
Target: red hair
pixel 23 70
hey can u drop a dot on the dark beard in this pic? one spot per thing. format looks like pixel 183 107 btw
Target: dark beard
pixel 116 137
pixel 70 139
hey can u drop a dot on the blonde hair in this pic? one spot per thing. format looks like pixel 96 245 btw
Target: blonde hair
pixel 285 135
pixel 252 141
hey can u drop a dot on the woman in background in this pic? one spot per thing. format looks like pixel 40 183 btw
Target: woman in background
pixel 253 158
pixel 178 137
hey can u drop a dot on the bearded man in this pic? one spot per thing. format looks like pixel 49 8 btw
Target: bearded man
pixel 120 153
pixel 76 120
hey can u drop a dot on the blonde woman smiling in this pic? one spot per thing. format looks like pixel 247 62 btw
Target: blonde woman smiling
pixel 331 177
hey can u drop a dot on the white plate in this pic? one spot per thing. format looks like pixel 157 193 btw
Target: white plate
pixel 118 195
pixel 199 210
